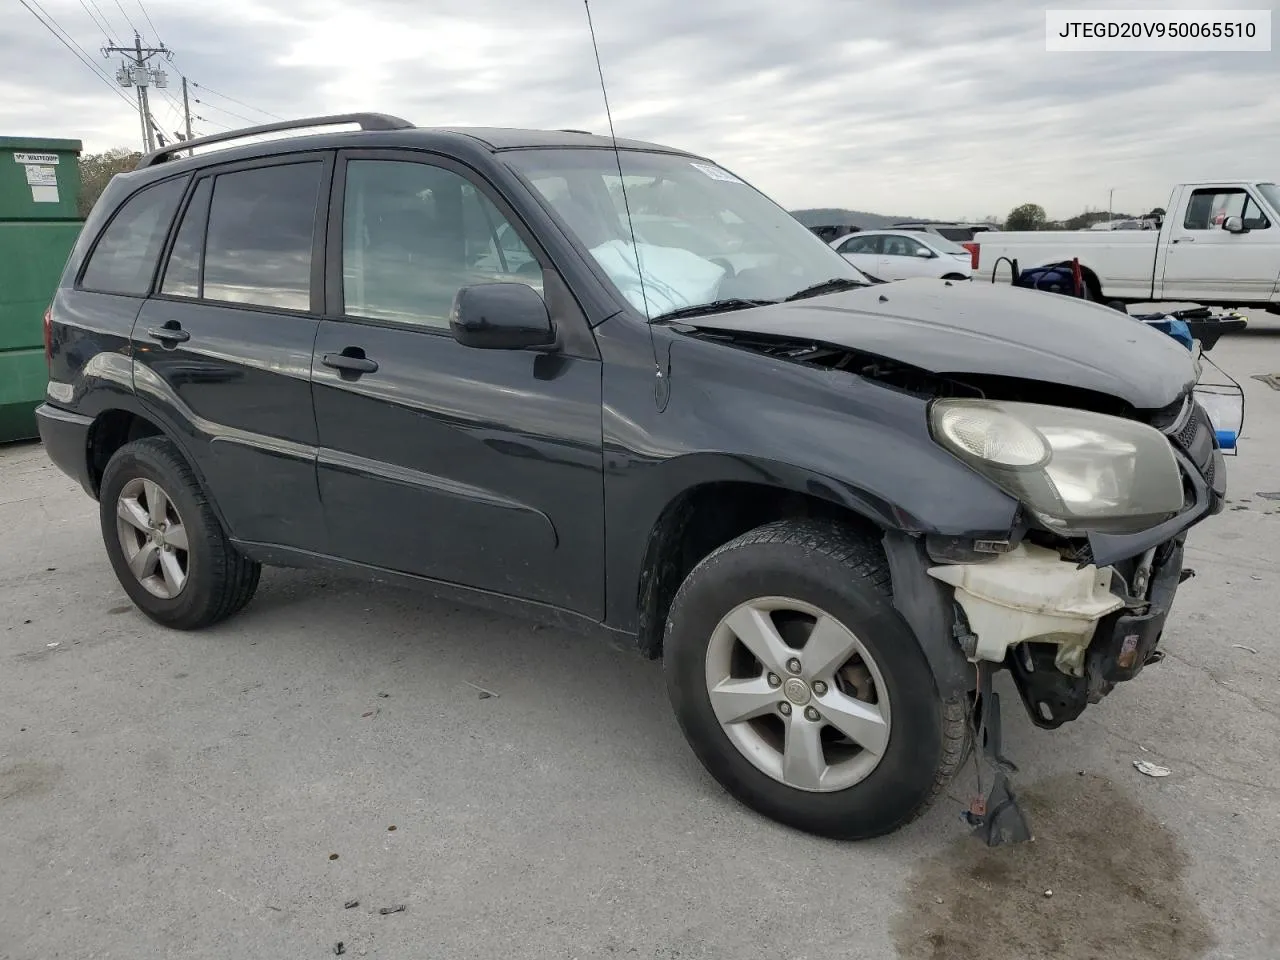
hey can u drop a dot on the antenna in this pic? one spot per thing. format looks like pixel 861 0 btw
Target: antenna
pixel 622 183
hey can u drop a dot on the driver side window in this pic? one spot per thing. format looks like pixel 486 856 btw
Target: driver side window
pixel 413 234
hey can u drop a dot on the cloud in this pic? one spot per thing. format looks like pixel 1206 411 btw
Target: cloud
pixel 912 108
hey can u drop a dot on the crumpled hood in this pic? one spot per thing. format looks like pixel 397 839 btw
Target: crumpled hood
pixel 983 328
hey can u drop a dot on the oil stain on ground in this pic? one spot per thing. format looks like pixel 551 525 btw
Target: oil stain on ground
pixel 1116 876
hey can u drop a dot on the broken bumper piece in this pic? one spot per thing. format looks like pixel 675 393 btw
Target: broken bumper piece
pixel 1069 633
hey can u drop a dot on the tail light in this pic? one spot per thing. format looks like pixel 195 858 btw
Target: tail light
pixel 973 249
pixel 48 337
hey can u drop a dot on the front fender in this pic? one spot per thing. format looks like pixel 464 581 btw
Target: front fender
pixel 734 416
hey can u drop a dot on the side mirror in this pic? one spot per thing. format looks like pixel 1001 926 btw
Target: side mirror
pixel 501 316
pixel 924 254
pixel 1234 225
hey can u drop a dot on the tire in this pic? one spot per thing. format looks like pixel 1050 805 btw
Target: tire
pixel 832 570
pixel 217 581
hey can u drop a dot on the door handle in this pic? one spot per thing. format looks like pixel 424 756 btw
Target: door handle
pixel 1184 239
pixel 169 335
pixel 351 360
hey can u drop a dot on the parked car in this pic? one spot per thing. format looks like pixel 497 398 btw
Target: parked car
pixel 1218 245
pixel 897 255
pixel 950 229
pixel 821 502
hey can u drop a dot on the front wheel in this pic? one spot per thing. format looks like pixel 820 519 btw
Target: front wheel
pixel 801 689
pixel 165 544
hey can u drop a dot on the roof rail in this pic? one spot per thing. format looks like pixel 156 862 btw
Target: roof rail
pixel 367 121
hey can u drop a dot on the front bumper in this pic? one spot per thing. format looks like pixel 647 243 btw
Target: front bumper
pixel 1070 625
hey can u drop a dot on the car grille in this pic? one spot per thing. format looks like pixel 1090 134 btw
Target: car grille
pixel 1193 433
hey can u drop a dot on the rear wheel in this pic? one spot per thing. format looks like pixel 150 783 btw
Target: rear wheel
pixel 800 688
pixel 165 544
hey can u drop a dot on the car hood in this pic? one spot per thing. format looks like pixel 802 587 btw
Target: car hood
pixel 981 328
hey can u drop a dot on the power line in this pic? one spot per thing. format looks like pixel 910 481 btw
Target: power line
pixel 230 113
pixel 196 116
pixel 150 22
pixel 126 18
pixel 73 49
pixel 100 24
pixel 247 106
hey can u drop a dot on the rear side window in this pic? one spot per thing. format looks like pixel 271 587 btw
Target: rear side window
pixel 860 245
pixel 124 259
pixel 259 238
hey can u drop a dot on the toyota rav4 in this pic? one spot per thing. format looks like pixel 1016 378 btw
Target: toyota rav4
pixel 610 383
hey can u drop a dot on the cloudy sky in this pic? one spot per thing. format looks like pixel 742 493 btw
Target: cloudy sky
pixel 944 108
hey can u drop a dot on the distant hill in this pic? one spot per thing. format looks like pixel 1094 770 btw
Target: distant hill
pixel 824 216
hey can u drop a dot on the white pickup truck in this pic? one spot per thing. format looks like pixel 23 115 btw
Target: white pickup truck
pixel 1219 245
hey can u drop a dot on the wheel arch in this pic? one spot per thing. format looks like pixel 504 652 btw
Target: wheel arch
pixel 127 420
pixel 704 516
pixel 700 516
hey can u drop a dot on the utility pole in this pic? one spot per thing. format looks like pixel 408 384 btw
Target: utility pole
pixel 1110 196
pixel 186 108
pixel 134 72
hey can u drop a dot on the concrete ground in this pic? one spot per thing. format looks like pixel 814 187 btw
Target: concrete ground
pixel 226 793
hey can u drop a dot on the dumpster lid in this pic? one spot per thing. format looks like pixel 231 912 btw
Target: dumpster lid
pixel 41 144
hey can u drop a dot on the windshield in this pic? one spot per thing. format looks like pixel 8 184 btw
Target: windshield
pixel 1271 193
pixel 701 234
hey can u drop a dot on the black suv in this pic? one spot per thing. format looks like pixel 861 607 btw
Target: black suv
pixel 614 385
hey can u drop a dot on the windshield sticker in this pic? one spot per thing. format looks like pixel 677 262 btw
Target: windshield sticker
pixel 715 173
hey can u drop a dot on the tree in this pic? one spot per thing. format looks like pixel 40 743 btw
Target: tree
pixel 1029 216
pixel 96 171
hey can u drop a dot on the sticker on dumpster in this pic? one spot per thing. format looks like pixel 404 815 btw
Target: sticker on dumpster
pixel 45 158
pixel 43 182
pixel 41 176
pixel 715 173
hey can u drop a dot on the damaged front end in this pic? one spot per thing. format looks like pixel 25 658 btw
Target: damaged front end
pixel 1073 599
pixel 1074 609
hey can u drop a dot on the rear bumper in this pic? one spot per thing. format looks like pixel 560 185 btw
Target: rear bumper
pixel 65 436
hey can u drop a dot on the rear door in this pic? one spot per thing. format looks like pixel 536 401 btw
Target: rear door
pixel 862 252
pixel 223 348
pixel 1205 262
pixel 481 468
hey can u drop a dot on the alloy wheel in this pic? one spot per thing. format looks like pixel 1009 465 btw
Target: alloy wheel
pixel 153 538
pixel 798 694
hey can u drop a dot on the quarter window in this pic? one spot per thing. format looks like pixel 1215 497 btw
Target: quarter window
pixel 413 234
pixel 124 259
pixel 260 235
pixel 182 275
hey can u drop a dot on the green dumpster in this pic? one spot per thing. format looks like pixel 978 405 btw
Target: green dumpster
pixel 39 223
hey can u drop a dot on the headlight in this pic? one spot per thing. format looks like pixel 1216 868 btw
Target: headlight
pixel 1074 469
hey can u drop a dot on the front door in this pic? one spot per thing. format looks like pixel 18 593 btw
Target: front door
pixel 1205 262
pixel 475 467
pixel 223 348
